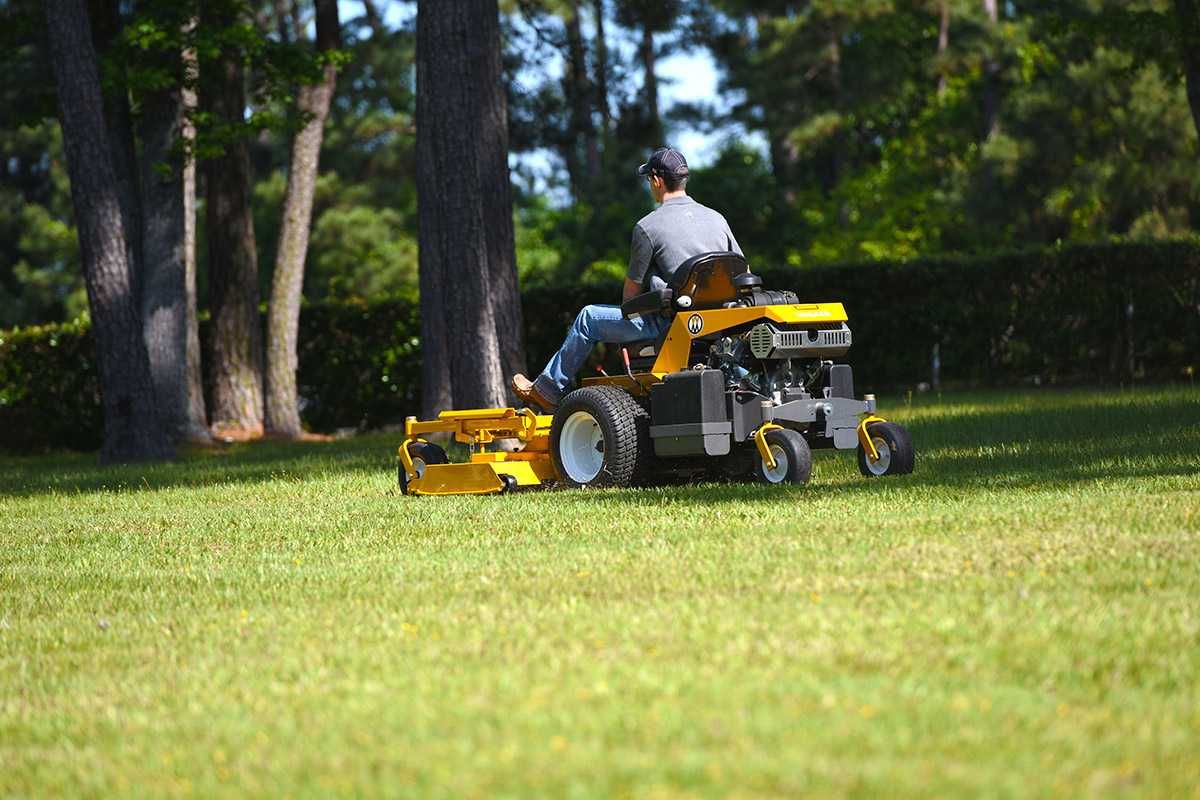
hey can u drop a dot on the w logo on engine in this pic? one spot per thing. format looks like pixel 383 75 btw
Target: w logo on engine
pixel 695 324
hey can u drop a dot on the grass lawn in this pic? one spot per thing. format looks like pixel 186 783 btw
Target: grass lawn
pixel 1020 617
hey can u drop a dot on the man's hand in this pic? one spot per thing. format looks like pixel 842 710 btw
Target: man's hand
pixel 632 289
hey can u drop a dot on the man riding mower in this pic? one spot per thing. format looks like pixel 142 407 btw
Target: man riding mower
pixel 723 378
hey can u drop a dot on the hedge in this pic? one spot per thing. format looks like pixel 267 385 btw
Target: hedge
pixel 1095 313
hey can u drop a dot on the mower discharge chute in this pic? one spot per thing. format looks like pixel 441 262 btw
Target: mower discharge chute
pixel 741 384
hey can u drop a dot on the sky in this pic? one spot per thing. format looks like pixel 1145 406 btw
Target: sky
pixel 684 77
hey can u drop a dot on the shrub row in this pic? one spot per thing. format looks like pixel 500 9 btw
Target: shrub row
pixel 1097 313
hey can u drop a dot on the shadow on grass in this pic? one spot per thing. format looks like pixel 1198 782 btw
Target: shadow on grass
pixel 1010 440
pixel 254 462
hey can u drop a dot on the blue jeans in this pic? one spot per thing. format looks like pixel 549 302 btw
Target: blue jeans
pixel 594 324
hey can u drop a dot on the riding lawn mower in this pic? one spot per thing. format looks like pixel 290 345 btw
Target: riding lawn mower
pixel 742 384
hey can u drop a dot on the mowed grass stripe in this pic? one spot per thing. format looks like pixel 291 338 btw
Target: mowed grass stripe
pixel 1018 618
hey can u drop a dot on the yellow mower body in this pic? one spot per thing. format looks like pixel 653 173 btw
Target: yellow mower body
pixel 741 381
pixel 486 472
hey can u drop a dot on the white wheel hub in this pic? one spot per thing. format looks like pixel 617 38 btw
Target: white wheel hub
pixel 419 467
pixel 581 447
pixel 779 474
pixel 880 467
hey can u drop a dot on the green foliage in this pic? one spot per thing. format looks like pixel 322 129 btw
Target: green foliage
pixel 49 388
pixel 1107 313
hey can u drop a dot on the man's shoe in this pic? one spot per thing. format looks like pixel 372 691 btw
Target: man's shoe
pixel 526 390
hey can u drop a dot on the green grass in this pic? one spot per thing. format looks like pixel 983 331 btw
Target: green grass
pixel 1021 617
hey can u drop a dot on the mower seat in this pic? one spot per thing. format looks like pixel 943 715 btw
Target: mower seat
pixel 702 282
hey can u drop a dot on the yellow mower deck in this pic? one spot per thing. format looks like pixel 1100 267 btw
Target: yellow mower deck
pixel 483 474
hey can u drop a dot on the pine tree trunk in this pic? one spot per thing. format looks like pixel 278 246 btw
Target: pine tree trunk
pixel 601 80
pixel 197 416
pixel 496 191
pixel 583 153
pixel 654 128
pixel 991 77
pixel 132 428
pixel 943 44
pixel 235 359
pixel 163 287
pixel 106 27
pixel 1189 46
pixel 458 70
pixel 282 399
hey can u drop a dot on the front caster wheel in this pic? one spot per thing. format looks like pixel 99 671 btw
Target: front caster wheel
pixel 422 454
pixel 895 449
pixel 793 459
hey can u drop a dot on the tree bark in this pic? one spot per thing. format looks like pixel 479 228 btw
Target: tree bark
pixel 991 77
pixel 600 82
pixel 458 83
pixel 654 128
pixel 197 416
pixel 583 154
pixel 235 360
pixel 496 183
pixel 282 399
pixel 163 287
pixel 132 427
pixel 1189 50
pixel 943 44
pixel 118 119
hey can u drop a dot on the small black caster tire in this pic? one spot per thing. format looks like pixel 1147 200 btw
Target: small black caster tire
pixel 422 455
pixel 508 484
pixel 895 449
pixel 793 459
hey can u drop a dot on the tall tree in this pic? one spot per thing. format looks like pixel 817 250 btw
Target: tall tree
pixel 991 75
pixel 1189 49
pixel 460 123
pixel 132 426
pixel 196 428
pixel 582 151
pixel 312 102
pixel 235 360
pixel 599 12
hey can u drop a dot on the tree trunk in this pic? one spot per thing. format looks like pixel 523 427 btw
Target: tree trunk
pixel 654 128
pixel 197 416
pixel 163 287
pixel 991 77
pixel 582 154
pixel 118 119
pixel 283 411
pixel 601 80
pixel 235 360
pixel 132 428
pixel 458 77
pixel 943 44
pixel 496 191
pixel 1189 50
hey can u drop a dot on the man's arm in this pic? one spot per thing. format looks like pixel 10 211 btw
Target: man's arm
pixel 632 289
pixel 640 254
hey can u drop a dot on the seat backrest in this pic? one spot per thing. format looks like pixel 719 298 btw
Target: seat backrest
pixel 708 278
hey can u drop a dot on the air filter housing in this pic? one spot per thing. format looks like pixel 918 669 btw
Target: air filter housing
pixel 768 341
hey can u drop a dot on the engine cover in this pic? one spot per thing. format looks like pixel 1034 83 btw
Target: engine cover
pixel 768 341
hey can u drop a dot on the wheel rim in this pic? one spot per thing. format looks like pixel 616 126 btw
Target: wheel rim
pixel 780 472
pixel 880 467
pixel 581 447
pixel 419 467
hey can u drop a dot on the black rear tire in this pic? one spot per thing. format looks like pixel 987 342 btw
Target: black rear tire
pixel 422 454
pixel 793 458
pixel 601 437
pixel 895 448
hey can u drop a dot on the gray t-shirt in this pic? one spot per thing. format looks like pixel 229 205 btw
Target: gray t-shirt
pixel 671 234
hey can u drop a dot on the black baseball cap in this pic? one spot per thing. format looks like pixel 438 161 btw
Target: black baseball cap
pixel 665 161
